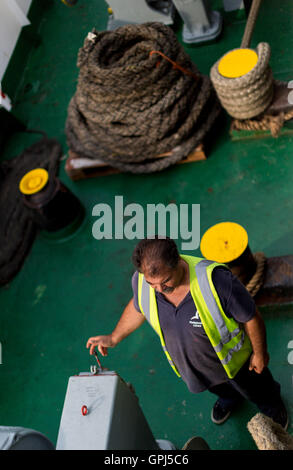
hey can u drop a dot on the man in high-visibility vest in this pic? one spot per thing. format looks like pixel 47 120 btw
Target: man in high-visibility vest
pixel 209 327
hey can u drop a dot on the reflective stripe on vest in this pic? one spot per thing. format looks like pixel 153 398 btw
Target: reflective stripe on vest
pixel 146 298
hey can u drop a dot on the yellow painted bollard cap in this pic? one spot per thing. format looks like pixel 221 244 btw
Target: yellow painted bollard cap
pixel 34 181
pixel 237 63
pixel 224 242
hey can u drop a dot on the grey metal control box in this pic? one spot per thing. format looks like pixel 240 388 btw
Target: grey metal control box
pixel 101 412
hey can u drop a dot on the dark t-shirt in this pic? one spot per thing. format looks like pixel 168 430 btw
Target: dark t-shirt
pixel 184 335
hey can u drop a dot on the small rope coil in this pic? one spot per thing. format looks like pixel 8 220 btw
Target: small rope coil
pixel 249 95
pixel 255 283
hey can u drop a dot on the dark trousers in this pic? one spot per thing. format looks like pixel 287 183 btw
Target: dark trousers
pixel 260 389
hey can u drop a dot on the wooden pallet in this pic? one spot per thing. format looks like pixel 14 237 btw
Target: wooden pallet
pixel 78 167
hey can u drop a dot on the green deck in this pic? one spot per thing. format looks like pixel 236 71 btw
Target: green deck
pixel 69 291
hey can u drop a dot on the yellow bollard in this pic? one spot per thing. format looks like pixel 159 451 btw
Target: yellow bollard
pixel 227 242
pixel 237 63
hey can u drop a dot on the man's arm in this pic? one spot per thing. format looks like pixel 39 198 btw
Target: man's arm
pixel 129 321
pixel 256 331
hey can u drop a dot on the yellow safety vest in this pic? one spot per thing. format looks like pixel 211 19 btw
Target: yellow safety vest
pixel 228 339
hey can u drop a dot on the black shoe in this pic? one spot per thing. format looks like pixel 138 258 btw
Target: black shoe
pixel 219 413
pixel 196 443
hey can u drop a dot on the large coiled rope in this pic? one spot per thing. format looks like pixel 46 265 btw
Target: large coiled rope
pixel 132 105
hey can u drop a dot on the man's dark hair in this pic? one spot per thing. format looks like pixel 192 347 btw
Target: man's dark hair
pixel 155 254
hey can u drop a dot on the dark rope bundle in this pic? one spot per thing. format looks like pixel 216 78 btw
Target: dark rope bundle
pixel 133 105
pixel 17 229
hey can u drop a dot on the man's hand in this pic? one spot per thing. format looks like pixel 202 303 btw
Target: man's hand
pixel 102 342
pixel 130 320
pixel 258 362
pixel 256 331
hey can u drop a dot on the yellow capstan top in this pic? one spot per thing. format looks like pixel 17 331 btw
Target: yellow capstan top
pixel 237 63
pixel 224 242
pixel 33 181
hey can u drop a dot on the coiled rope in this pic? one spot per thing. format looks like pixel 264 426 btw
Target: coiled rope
pixel 247 96
pixel 17 229
pixel 132 105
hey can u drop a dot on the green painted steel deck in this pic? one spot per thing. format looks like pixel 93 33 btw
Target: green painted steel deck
pixel 71 290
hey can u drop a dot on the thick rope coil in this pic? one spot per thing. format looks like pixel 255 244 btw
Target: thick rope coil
pixel 249 95
pixel 269 435
pixel 255 283
pixel 131 106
